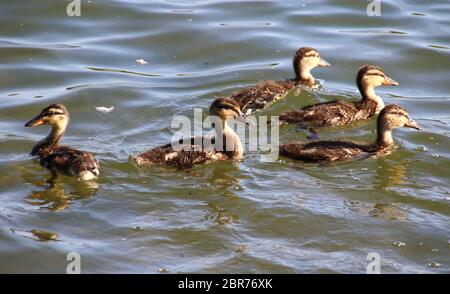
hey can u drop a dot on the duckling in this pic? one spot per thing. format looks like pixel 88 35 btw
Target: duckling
pixel 340 112
pixel 58 158
pixel 391 117
pixel 200 150
pixel 259 96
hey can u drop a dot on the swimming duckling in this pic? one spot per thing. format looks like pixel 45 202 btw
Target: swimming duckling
pixel 340 112
pixel 391 117
pixel 259 96
pixel 55 157
pixel 203 149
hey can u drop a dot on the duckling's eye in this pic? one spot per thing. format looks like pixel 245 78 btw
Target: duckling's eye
pixel 50 113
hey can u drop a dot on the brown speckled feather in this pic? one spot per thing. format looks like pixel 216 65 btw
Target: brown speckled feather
pixel 335 113
pixel 261 95
pixel 186 158
pixel 68 160
pixel 390 118
pixel 323 151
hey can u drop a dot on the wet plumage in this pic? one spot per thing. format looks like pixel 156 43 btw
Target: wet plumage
pixel 69 160
pixel 60 158
pixel 340 112
pixel 334 113
pixel 198 151
pixel 258 97
pixel 391 117
pixel 193 151
pixel 323 151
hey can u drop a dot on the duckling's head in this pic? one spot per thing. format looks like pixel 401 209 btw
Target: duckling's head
pixel 55 115
pixel 305 60
pixel 371 76
pixel 226 108
pixel 393 116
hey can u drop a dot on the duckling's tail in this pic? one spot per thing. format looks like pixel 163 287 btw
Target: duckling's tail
pixel 136 159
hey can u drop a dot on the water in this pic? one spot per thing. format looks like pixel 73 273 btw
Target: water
pixel 279 217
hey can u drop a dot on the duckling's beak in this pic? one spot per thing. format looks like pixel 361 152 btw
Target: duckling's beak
pixel 389 82
pixel 412 124
pixel 37 121
pixel 323 63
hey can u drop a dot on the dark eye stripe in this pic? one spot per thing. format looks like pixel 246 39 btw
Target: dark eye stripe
pixel 54 113
pixel 400 113
pixel 229 107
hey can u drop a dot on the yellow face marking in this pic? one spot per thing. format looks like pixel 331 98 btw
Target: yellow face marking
pixel 375 72
pixel 312 54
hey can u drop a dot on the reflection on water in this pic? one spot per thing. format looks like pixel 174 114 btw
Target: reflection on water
pixel 220 215
pixel 57 192
pixel 53 198
pixel 387 211
pixel 390 211
pixel 37 235
pixel 391 172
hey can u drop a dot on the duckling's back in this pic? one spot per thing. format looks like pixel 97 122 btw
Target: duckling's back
pixel 74 162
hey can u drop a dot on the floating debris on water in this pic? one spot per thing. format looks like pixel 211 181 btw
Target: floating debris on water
pixel 141 61
pixel 399 244
pixel 240 248
pixel 104 109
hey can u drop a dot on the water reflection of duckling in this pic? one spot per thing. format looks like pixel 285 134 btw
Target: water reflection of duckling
pixel 392 173
pixel 391 117
pixel 57 196
pixel 391 211
pixel 259 96
pixel 191 154
pixel 53 198
pixel 59 158
pixel 340 112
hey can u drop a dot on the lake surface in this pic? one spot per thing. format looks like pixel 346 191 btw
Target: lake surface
pixel 247 217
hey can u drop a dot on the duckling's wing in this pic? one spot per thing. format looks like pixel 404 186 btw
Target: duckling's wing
pixel 185 153
pixel 71 161
pixel 259 96
pixel 322 114
pixel 321 151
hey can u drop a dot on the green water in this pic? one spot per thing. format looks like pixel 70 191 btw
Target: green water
pixel 271 217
